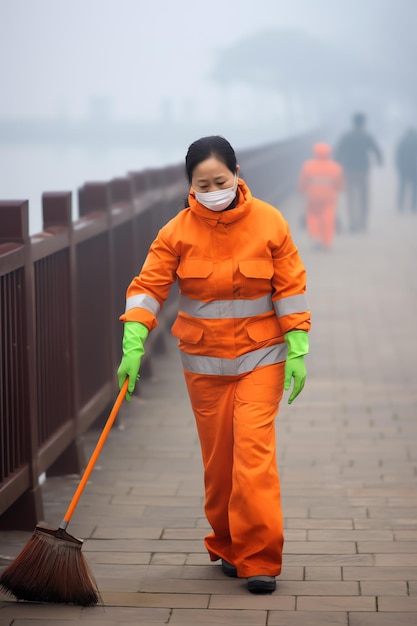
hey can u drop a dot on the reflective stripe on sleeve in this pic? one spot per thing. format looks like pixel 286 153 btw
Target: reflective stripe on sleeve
pixel 292 304
pixel 223 309
pixel 144 302
pixel 216 366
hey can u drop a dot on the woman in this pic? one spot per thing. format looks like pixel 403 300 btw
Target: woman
pixel 242 331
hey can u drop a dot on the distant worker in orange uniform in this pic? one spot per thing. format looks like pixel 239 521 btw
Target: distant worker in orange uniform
pixel 242 333
pixel 321 180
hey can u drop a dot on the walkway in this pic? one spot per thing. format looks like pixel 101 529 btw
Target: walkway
pixel 347 454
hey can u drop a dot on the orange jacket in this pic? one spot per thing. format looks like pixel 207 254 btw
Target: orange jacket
pixel 321 179
pixel 241 280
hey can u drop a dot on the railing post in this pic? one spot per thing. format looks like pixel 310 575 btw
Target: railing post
pixel 123 252
pixel 27 510
pixel 94 198
pixel 57 215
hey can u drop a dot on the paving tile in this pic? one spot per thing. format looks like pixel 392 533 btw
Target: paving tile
pixel 384 512
pixel 323 573
pixel 393 560
pixel 350 535
pixel 42 622
pixel 382 619
pixel 128 558
pixel 166 600
pixel 319 547
pixel 208 571
pixel 405 535
pixel 396 547
pixel 162 489
pixel 200 558
pixel 184 533
pixel 195 586
pixel 181 617
pixel 330 559
pixel 398 604
pixel 143 545
pixel 291 535
pixel 337 512
pixel 319 524
pixel 167 513
pixel 291 572
pixel 380 573
pixel 116 614
pixel 307 618
pixel 31 610
pixel 168 558
pixel 276 601
pixel 384 588
pixel 126 532
pixel 392 523
pixel 319 588
pixel 341 603
pixel 163 501
pixel 295 509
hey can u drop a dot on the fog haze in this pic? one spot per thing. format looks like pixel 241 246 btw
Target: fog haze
pixel 141 57
pixel 116 85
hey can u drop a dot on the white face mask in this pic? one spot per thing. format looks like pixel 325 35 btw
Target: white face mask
pixel 218 200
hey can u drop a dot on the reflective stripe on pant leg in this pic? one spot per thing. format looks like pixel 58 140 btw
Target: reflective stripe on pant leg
pixel 212 401
pixel 255 515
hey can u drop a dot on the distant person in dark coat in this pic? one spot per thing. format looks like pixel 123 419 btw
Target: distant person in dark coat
pixel 406 163
pixel 354 152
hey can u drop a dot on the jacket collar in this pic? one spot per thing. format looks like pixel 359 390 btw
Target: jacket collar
pixel 223 217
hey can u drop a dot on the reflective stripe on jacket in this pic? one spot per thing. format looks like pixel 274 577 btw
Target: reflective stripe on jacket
pixel 241 281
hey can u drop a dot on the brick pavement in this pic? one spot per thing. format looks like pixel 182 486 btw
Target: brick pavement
pixel 347 456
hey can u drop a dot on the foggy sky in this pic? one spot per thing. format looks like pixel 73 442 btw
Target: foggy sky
pixel 139 55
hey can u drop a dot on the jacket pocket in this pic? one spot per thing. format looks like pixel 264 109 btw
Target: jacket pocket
pixel 186 333
pixel 194 277
pixel 264 330
pixel 256 277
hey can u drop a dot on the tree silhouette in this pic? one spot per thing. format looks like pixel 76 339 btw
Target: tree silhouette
pixel 321 74
pixel 288 60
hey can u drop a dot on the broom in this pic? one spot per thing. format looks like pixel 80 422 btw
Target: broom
pixel 51 567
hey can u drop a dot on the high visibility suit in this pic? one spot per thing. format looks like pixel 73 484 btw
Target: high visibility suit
pixel 321 179
pixel 242 287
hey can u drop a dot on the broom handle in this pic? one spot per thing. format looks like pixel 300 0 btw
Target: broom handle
pixel 95 455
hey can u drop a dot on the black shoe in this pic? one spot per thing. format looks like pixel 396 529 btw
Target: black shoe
pixel 261 584
pixel 229 569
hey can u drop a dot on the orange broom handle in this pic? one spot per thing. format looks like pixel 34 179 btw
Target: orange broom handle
pixel 95 455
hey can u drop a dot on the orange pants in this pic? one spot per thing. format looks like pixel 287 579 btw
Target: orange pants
pixel 321 219
pixel 235 418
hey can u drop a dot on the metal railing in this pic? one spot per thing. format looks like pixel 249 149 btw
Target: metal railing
pixel 61 294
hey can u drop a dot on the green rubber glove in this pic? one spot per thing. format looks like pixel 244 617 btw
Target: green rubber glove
pixel 134 335
pixel 297 344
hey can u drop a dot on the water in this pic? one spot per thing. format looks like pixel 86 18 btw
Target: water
pixel 26 171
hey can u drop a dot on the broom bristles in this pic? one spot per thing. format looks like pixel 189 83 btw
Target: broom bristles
pixel 51 568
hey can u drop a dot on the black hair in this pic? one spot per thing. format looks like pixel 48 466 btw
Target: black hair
pixel 206 147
